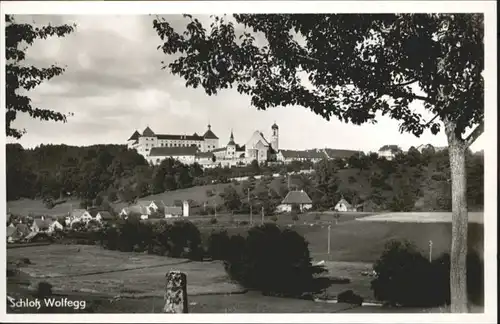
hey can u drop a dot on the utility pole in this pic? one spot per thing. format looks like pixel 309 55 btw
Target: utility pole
pixel 262 222
pixel 249 204
pixel 430 251
pixel 329 233
pixel 215 209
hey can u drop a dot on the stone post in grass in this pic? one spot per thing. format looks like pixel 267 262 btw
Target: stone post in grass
pixel 175 293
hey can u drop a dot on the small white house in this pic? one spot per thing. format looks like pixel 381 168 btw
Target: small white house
pixel 295 197
pixel 103 216
pixel 173 211
pixel 136 209
pixel 78 216
pixel 343 206
pixel 151 205
pixel 45 225
pixel 389 151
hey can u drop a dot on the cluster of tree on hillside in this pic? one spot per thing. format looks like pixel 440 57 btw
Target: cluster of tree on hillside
pixel 53 172
pixel 412 181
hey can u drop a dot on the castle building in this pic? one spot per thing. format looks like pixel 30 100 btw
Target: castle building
pixel 148 140
pixel 205 149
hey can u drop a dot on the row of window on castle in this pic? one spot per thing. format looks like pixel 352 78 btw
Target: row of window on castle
pixel 179 145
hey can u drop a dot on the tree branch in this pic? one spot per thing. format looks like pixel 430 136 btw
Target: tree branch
pixel 430 121
pixel 474 135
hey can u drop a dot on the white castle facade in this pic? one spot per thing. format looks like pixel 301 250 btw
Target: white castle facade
pixel 205 149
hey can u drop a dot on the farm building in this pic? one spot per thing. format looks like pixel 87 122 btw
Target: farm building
pixel 344 206
pixel 104 216
pixel 173 211
pixel 139 210
pixel 299 198
pixel 46 225
pixel 151 205
pixel 12 234
pixel 78 215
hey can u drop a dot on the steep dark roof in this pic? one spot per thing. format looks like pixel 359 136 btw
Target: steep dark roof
pixel 173 151
pixel 106 215
pixel 297 197
pixel 392 148
pixel 343 201
pixel 134 136
pixel 173 210
pixel 334 153
pixel 231 140
pixel 148 132
pixel 202 155
pixel 10 231
pixel 194 137
pixel 209 134
pixel 274 126
pixel 218 149
pixel 311 154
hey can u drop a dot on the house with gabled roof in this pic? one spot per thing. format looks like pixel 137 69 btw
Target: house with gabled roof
pixel 173 211
pixel 79 215
pixel 45 225
pixel 151 205
pixel 389 151
pixel 288 156
pixel 136 210
pixel 104 216
pixel 344 206
pixel 295 197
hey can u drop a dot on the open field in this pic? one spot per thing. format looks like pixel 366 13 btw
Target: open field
pixel 422 217
pixel 115 282
pixel 356 241
pixel 95 270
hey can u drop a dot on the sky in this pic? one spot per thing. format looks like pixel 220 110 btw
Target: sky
pixel 114 85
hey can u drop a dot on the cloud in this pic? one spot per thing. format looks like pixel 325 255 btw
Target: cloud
pixel 114 84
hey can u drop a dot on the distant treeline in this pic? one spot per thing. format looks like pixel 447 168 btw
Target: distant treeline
pixel 411 181
pixel 55 171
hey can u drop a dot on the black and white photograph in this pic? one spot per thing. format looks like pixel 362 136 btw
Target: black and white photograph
pixel 262 158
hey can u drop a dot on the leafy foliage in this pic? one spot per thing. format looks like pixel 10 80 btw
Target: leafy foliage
pixel 406 278
pixel 21 78
pixel 273 261
pixel 357 64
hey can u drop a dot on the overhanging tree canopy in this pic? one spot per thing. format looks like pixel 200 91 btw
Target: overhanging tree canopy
pixel 20 76
pixel 351 66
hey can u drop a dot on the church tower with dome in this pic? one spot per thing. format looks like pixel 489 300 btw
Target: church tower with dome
pixel 275 137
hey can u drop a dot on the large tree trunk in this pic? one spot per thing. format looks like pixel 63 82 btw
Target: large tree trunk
pixel 458 255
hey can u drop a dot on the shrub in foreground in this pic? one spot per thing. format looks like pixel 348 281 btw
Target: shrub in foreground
pixel 349 297
pixel 219 245
pixel 406 278
pixel 273 261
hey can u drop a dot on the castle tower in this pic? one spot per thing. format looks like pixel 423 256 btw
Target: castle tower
pixel 231 147
pixel 275 137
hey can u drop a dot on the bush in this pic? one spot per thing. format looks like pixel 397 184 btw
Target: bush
pixel 404 277
pixel 218 245
pixel 183 240
pixel 213 221
pixel 295 217
pixel 273 261
pixel 350 297
pixel 274 218
pixel 475 278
